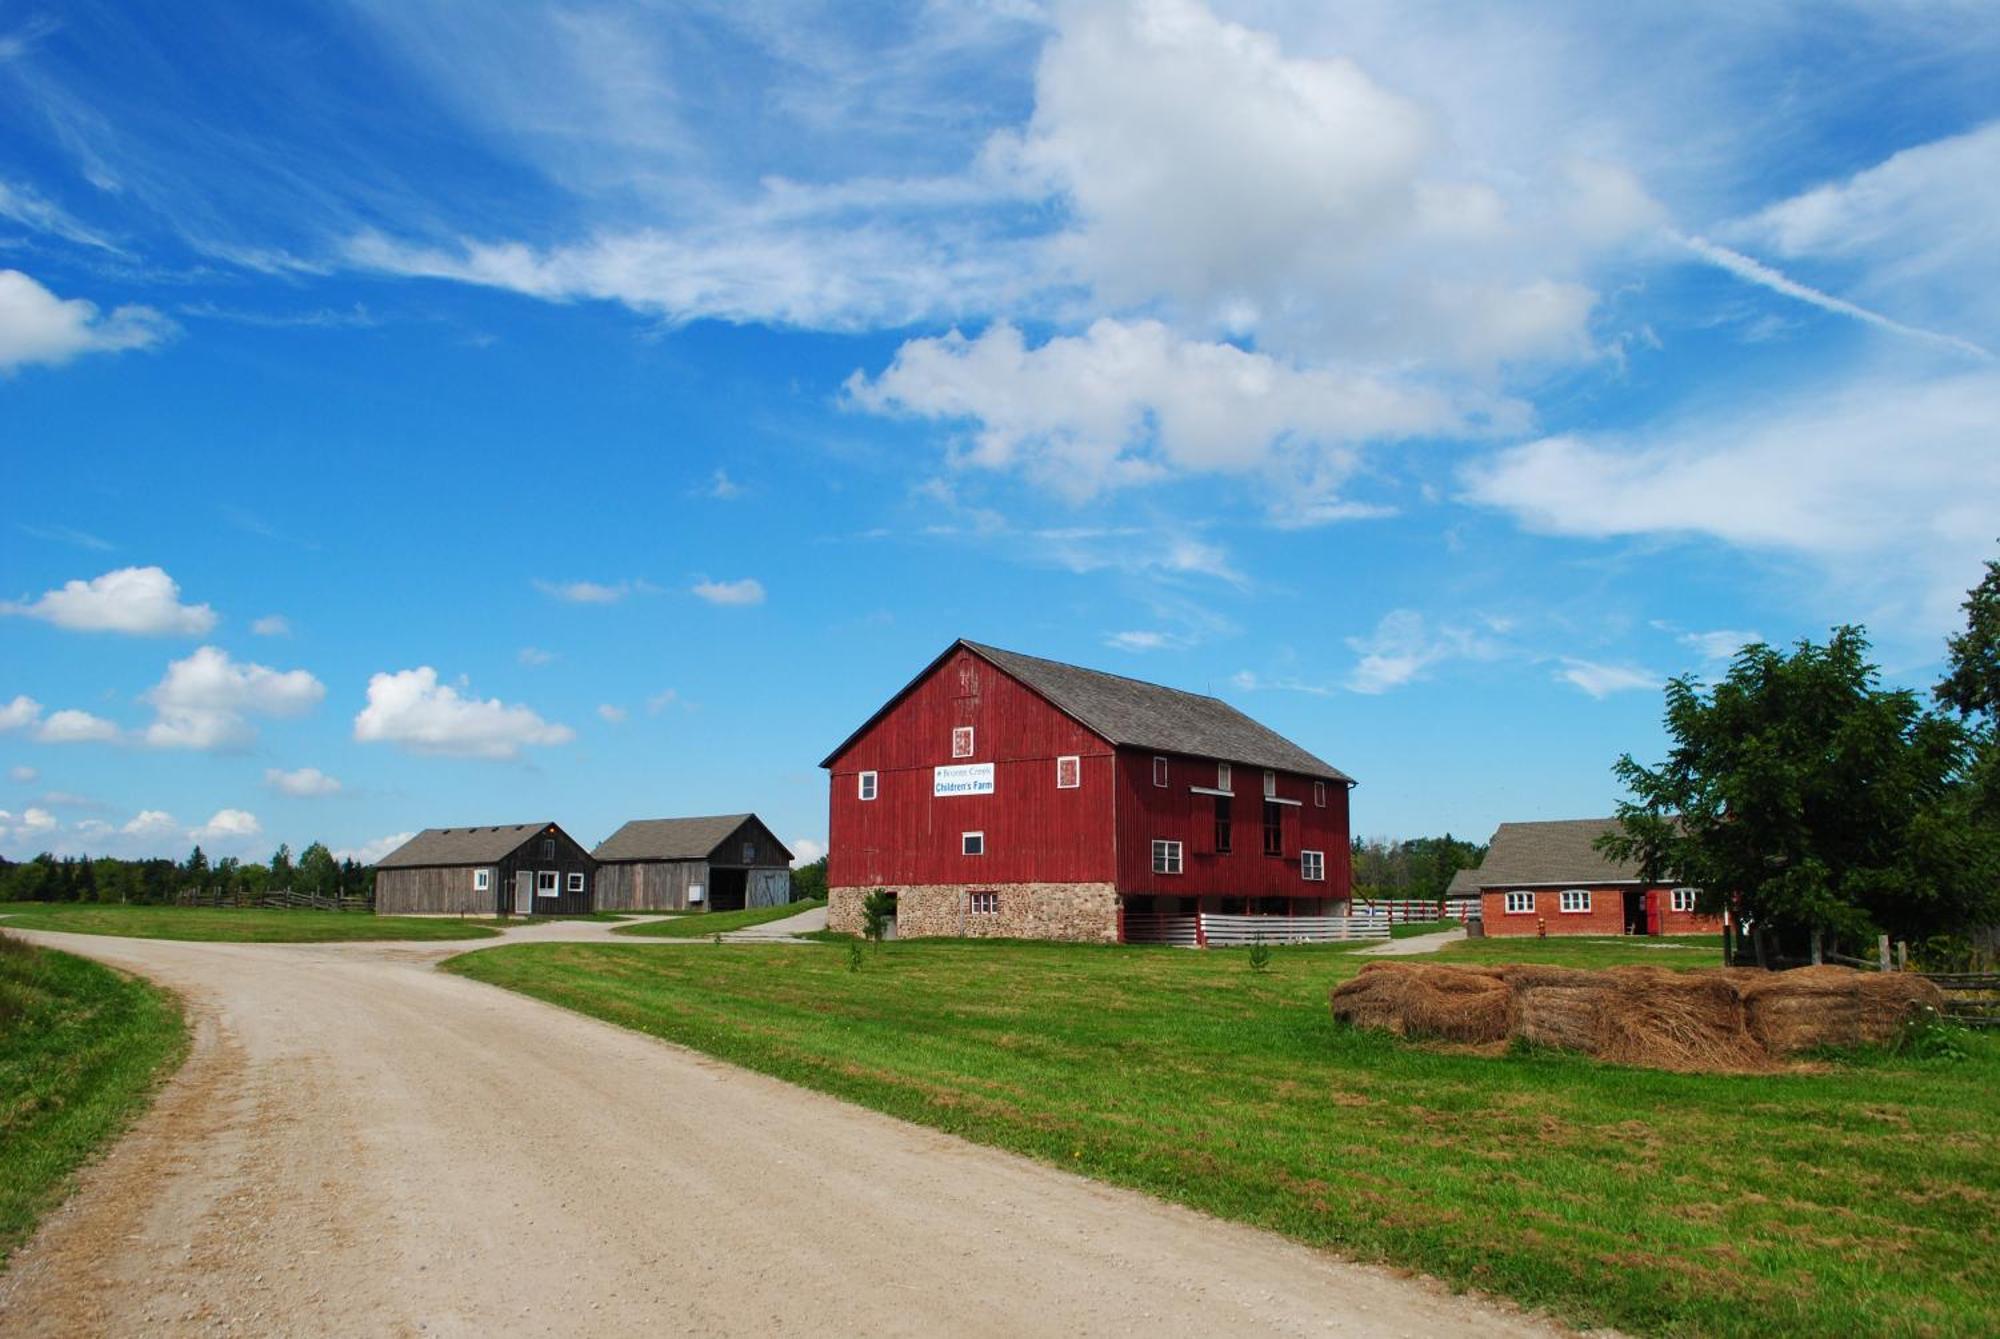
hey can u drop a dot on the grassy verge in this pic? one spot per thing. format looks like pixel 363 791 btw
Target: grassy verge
pixel 80 1050
pixel 1414 928
pixel 1861 1199
pixel 716 922
pixel 247 925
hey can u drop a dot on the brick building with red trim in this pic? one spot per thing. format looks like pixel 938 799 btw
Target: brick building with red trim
pixel 1550 879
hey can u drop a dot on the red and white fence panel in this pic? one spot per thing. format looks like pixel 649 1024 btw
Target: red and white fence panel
pixel 1211 930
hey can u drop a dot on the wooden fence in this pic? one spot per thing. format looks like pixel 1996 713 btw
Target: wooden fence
pixel 1410 910
pixel 284 898
pixel 1973 998
pixel 1211 930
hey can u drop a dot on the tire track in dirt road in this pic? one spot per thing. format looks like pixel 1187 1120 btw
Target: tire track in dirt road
pixel 361 1145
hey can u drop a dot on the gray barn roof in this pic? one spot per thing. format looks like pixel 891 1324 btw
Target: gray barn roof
pixel 1464 883
pixel 1131 713
pixel 676 838
pixel 1532 854
pixel 460 846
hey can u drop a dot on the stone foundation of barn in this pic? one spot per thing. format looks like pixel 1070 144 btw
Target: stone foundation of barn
pixel 1080 912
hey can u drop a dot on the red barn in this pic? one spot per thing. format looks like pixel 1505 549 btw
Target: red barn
pixel 1550 879
pixel 1003 795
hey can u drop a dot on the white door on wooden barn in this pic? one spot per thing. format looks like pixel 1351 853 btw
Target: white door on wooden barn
pixel 524 893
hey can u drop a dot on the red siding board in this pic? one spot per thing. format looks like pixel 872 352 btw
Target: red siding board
pixel 1147 813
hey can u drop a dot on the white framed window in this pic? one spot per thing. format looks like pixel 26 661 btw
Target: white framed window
pixel 1270 785
pixel 1519 903
pixel 972 843
pixel 1069 772
pixel 548 848
pixel 1319 794
pixel 545 883
pixel 1312 866
pixel 749 853
pixel 986 904
pixel 575 882
pixel 1166 857
pixel 961 741
pixel 1222 776
pixel 1683 899
pixel 1159 771
pixel 482 880
pixel 1576 899
pixel 864 785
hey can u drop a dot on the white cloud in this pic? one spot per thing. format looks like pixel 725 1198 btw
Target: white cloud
pixel 228 826
pixel 1131 403
pixel 1889 482
pixel 589 592
pixel 534 656
pixel 36 326
pixel 369 852
pixel 661 700
pixel 412 709
pixel 612 713
pixel 746 591
pixel 1600 681
pixel 805 850
pixel 1404 647
pixel 272 625
pixel 76 727
pixel 151 823
pixel 303 781
pixel 723 488
pixel 1143 639
pixel 30 826
pixel 206 700
pixel 1718 644
pixel 23 775
pixel 19 714
pixel 143 601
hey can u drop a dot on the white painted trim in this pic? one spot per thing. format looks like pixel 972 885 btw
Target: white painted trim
pixel 1211 790
pixel 1563 897
pixel 1279 799
pixel 867 785
pixel 971 742
pixel 964 837
pixel 1177 856
pixel 1507 907
pixel 1225 780
pixel 1162 771
pixel 1070 758
pixel 574 882
pixel 1319 856
pixel 554 876
pixel 482 880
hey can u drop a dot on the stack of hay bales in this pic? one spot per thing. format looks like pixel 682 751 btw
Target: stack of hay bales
pixel 1728 1019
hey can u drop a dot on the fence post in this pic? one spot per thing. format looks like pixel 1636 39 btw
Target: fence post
pixel 1200 929
pixel 1902 955
pixel 1882 951
pixel 1815 947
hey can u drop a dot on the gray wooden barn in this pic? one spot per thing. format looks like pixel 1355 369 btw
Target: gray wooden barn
pixel 721 863
pixel 513 869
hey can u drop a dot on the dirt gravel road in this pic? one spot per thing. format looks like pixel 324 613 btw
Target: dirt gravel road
pixel 361 1145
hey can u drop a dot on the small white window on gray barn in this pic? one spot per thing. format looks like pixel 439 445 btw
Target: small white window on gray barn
pixel 575 882
pixel 1312 866
pixel 548 848
pixel 1069 772
pixel 1520 902
pixel 961 741
pixel 972 843
pixel 482 879
pixel 749 853
pixel 1576 899
pixel 865 785
pixel 545 883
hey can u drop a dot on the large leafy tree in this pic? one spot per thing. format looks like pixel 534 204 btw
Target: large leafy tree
pixel 1801 790
pixel 319 871
pixel 1973 685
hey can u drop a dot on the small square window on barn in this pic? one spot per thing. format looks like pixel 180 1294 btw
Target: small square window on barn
pixel 482 880
pixel 548 848
pixel 1576 899
pixel 749 853
pixel 972 843
pixel 1312 866
pixel 1683 899
pixel 961 741
pixel 1274 828
pixel 1270 785
pixel 865 785
pixel 1159 771
pixel 575 882
pixel 986 904
pixel 1069 773
pixel 1166 857
pixel 1518 903
pixel 545 883
pixel 1222 776
pixel 1319 794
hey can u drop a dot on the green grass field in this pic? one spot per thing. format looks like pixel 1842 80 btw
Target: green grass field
pixel 248 925
pixel 1861 1199
pixel 704 924
pixel 80 1050
pixel 1411 929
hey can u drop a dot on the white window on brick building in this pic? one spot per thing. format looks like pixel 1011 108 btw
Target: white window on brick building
pixel 1166 857
pixel 1683 899
pixel 1312 866
pixel 1517 903
pixel 1576 899
pixel 986 904
pixel 961 741
pixel 1069 773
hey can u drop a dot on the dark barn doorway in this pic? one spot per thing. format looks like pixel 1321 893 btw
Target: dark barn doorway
pixel 1635 911
pixel 728 889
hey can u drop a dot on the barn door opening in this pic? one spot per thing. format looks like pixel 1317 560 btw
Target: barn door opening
pixel 524 893
pixel 1635 912
pixel 728 889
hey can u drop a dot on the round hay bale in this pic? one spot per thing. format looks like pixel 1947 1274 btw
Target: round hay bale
pixel 1789 1012
pixel 1425 1000
pixel 1677 1020
pixel 1370 1000
pixel 1569 1011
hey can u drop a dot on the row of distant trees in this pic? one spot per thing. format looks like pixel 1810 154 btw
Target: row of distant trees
pixel 1419 868
pixel 49 878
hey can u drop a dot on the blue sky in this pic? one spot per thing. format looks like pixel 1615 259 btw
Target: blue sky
pixel 418 414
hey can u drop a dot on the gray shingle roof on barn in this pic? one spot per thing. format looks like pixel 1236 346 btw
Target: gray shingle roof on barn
pixel 673 838
pixel 1537 854
pixel 1464 883
pixel 1137 714
pixel 1132 713
pixel 460 846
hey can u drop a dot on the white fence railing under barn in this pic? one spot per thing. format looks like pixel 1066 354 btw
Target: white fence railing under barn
pixel 1212 930
pixel 1406 911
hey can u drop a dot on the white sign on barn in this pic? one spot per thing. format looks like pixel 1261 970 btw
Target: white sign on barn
pixel 971 778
